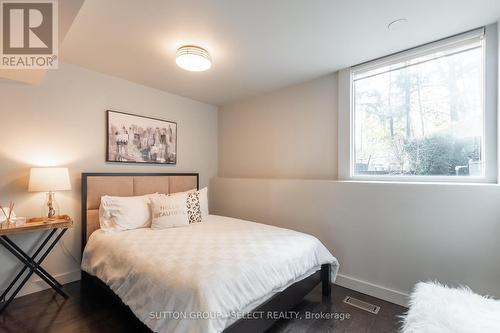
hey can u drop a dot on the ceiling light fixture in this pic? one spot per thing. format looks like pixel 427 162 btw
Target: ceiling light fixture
pixel 193 58
pixel 397 24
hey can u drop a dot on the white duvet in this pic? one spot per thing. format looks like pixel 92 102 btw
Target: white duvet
pixel 202 277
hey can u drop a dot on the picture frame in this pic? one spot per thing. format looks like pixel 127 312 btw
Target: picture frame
pixel 132 138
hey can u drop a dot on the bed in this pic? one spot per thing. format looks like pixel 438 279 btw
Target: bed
pixel 221 275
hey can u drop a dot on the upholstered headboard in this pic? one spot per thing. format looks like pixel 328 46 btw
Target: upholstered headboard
pixel 95 185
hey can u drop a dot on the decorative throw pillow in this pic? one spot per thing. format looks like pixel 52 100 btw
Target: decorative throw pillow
pixel 125 213
pixel 193 207
pixel 169 211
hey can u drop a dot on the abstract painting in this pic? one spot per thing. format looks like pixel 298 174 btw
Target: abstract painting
pixel 139 139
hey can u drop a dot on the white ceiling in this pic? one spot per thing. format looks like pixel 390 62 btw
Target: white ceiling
pixel 256 45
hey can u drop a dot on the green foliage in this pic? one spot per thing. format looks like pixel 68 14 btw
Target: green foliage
pixel 440 154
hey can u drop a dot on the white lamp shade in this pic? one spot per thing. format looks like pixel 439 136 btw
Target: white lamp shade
pixel 49 180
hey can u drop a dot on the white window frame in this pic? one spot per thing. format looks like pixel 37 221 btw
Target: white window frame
pixel 490 91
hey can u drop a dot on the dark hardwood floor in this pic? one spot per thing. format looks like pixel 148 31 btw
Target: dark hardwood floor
pixel 88 311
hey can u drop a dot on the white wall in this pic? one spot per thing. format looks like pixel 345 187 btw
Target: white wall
pixel 62 122
pixel 387 236
pixel 269 136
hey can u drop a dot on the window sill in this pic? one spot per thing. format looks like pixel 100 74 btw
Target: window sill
pixel 422 181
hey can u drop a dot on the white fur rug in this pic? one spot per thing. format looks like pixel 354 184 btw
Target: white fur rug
pixel 435 308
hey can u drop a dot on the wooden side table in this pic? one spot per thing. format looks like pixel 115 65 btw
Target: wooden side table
pixel 54 230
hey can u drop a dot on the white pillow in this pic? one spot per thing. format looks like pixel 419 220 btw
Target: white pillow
pixel 203 193
pixel 125 213
pixel 169 211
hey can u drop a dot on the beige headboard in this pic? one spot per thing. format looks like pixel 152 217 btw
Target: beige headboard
pixel 95 185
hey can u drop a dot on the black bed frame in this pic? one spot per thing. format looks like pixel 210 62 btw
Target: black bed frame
pixel 281 302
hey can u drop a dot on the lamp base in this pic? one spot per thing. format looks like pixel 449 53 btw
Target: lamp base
pixel 50 209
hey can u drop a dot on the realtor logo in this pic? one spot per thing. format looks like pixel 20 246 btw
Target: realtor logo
pixel 29 38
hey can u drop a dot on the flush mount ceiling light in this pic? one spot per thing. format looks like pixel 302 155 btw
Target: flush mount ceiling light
pixel 193 58
pixel 397 24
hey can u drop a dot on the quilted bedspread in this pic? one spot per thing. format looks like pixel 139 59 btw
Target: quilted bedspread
pixel 202 277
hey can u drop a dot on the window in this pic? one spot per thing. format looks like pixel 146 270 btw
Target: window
pixel 421 113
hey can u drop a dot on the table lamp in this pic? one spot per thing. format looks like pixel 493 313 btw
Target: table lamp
pixel 49 180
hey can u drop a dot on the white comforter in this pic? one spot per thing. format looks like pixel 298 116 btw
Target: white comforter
pixel 217 269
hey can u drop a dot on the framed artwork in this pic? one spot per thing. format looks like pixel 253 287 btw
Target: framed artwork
pixel 138 139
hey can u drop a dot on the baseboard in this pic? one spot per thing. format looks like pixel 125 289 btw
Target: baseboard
pixel 38 284
pixel 390 295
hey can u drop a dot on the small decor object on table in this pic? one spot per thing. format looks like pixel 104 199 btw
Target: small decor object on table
pixel 7 214
pixel 18 221
pixel 54 229
pixel 49 180
pixel 139 139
